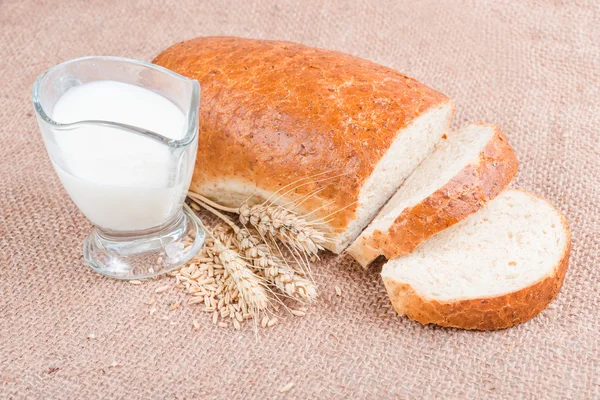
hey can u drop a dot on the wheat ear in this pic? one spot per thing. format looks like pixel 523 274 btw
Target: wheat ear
pixel 272 221
pixel 272 267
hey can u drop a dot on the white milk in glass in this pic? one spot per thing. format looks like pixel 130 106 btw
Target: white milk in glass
pixel 121 181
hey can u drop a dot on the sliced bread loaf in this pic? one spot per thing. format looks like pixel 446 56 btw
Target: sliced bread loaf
pixel 469 168
pixel 499 267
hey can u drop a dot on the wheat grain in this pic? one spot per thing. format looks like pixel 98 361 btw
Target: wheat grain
pixel 287 387
pixel 298 313
pixel 338 291
pixel 135 282
pixel 196 300
pixel 196 325
pixel 162 289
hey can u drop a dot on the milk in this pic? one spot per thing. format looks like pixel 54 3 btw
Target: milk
pixel 119 180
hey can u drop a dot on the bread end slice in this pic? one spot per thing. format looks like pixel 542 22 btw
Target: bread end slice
pixel 501 307
pixel 469 168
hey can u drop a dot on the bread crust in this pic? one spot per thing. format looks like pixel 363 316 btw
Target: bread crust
pixel 273 113
pixel 485 313
pixel 477 183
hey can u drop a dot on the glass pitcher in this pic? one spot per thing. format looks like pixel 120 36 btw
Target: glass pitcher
pixel 122 136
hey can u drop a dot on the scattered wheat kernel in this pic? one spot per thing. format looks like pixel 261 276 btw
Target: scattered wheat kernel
pixel 298 313
pixel 162 289
pixel 196 300
pixel 272 322
pixel 236 324
pixel 239 317
pixel 91 336
pixel 159 261
pixel 174 306
pixel 151 270
pixel 114 364
pixel 135 282
pixel 173 323
pixel 215 317
pixel 338 291
pixel 150 301
pixel 287 387
pixel 196 325
pixel 222 325
pixel 152 311
pixel 264 321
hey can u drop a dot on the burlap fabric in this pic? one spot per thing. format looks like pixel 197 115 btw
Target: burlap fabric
pixel 531 67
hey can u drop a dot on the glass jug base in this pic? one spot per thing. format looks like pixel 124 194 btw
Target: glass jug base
pixel 144 256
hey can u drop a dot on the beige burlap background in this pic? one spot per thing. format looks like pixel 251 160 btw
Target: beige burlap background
pixel 531 67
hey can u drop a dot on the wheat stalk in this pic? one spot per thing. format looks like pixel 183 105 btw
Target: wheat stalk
pixel 220 280
pixel 249 286
pixel 273 221
pixel 284 225
pixel 273 268
pixel 232 272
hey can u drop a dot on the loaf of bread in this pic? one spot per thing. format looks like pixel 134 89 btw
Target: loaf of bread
pixel 334 137
pixel 283 121
pixel 499 267
pixel 469 168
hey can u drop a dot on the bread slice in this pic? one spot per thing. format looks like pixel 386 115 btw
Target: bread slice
pixel 330 135
pixel 499 267
pixel 469 168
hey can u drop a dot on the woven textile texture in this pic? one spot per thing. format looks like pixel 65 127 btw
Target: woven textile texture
pixel 533 67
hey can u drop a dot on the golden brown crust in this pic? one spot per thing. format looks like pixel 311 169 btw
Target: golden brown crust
pixel 468 191
pixel 489 313
pixel 274 112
